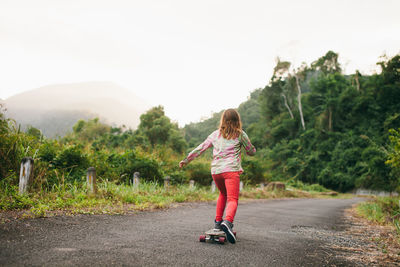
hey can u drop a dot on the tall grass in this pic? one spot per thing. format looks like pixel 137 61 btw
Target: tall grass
pixel 110 198
pixel 296 184
pixel 382 210
pixel 113 198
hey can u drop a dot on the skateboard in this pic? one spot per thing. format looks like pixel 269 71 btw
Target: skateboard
pixel 214 236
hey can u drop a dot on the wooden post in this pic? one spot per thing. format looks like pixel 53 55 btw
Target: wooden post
pixel 136 179
pixel 191 184
pixel 91 180
pixel 241 186
pixel 166 181
pixel 25 175
pixel 213 186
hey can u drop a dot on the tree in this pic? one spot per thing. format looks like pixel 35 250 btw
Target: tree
pixel 301 72
pixel 348 118
pixel 90 130
pixel 159 130
pixel 32 131
pixel 388 91
pixel 250 109
pixel 394 154
pixel 324 97
pixel 281 72
pixel 328 64
pixel 356 80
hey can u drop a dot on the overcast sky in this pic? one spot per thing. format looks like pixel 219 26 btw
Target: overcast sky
pixel 192 57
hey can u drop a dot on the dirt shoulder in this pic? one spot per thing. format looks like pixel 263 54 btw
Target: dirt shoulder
pixel 373 245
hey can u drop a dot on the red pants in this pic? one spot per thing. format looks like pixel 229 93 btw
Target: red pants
pixel 228 185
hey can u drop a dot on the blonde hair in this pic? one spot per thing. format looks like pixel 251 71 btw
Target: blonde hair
pixel 230 125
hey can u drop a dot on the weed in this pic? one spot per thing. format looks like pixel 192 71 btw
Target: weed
pixel 113 198
pixel 383 211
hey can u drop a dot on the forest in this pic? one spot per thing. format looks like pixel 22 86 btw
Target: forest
pixel 317 125
pixel 310 124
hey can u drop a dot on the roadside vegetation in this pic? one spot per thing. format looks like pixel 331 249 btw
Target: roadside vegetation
pixel 380 217
pixel 111 198
pixel 314 124
pixel 383 211
pixel 386 210
pixel 315 129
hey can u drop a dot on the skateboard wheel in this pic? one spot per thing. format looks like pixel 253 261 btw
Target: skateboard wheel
pixel 202 238
pixel 234 233
pixel 221 240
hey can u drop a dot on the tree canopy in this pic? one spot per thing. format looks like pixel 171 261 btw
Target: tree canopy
pixel 342 143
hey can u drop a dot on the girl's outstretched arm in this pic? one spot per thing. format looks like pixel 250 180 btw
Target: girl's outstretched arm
pixel 245 141
pixel 197 151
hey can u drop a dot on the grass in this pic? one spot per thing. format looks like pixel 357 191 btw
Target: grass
pixel 110 198
pixel 382 210
pixel 120 199
pixel 290 192
pixel 258 193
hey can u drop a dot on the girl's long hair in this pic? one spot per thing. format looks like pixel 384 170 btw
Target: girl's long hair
pixel 230 126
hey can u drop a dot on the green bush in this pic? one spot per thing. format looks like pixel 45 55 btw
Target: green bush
pixel 199 171
pixel 253 171
pixel 72 162
pixel 178 176
pixel 381 210
pixel 306 187
pixel 48 151
pixel 129 162
pixel 14 146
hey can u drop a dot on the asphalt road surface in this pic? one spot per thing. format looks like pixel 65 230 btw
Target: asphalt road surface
pixel 270 233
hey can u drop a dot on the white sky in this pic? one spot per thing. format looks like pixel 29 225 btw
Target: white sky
pixel 192 57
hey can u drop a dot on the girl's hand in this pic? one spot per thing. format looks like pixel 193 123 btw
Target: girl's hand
pixel 181 164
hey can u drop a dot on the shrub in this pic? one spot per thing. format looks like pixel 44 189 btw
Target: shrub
pixel 72 162
pixel 253 171
pixel 199 171
pixel 130 163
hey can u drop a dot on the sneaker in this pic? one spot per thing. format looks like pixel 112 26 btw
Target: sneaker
pixel 217 226
pixel 227 228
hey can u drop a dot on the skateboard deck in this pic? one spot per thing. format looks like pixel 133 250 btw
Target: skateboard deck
pixel 214 236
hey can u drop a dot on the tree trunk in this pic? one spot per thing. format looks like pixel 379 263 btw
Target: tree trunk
pixel 357 81
pixel 299 102
pixel 330 119
pixel 287 106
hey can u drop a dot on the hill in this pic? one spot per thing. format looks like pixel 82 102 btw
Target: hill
pixel 315 124
pixel 249 110
pixel 54 109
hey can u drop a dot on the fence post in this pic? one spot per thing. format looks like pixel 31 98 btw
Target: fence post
pixel 25 175
pixel 136 179
pixel 91 180
pixel 166 181
pixel 213 186
pixel 191 184
pixel 241 186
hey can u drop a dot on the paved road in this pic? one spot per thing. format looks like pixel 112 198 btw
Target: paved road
pixel 270 233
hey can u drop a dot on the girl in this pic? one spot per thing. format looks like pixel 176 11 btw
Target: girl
pixel 226 166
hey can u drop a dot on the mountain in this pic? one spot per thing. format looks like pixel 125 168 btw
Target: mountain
pixel 54 109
